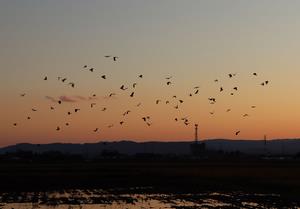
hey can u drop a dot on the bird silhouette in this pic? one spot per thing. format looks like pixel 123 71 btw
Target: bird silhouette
pixel 52 108
pixel 69 113
pixel 67 124
pixel 93 104
pixel 169 82
pixel 107 56
pixel 134 85
pixel 64 79
pixel 95 130
pixel 144 119
pixel 167 102
pixel 123 88
pixel 34 110
pixel 197 91
pixel 132 94
pixel 57 128
pixel 212 112
pixel 76 110
pixel 91 69
pixel 85 66
pixel 186 123
pixel 228 110
pixel 22 95
pixel 103 76
pixel 255 74
pixel 245 115
pixel 253 106
pixel 181 101
pixel 235 88
pixel 115 58
pixel 126 113
pixel 111 94
pixel 168 78
pixel 15 124
pixel 45 78
pixel 237 133
pixel 185 118
pixel 157 101
pixel 216 80
pixel 59 101
pixel 72 84
pixel 212 99
pixel 230 75
pixel 140 76
pixel 122 122
pixel 104 109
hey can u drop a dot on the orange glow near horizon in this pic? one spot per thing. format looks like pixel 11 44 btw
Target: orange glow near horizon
pixel 156 39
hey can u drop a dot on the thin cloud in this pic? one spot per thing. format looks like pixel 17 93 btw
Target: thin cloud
pixel 67 99
pixel 85 98
pixel 76 98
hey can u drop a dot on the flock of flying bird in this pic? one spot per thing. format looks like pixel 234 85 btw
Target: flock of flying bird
pixel 145 119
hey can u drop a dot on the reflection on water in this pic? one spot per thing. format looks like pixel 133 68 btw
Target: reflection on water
pixel 100 199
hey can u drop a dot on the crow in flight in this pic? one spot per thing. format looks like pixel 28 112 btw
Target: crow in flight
pixel 123 88
pixel 72 84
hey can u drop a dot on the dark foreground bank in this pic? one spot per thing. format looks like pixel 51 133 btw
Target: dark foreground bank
pixel 281 177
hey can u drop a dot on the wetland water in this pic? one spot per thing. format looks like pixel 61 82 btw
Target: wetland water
pixel 94 199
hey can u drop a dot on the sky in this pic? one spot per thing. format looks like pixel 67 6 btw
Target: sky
pixel 194 41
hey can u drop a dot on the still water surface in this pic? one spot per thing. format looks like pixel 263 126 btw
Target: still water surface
pixel 100 199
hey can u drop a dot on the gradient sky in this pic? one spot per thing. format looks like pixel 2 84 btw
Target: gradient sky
pixel 194 41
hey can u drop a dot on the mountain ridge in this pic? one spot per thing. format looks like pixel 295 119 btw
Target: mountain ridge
pixel 275 146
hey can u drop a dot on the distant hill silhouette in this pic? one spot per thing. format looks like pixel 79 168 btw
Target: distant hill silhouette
pixel 279 146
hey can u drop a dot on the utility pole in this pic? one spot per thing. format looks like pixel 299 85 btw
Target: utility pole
pixel 196 133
